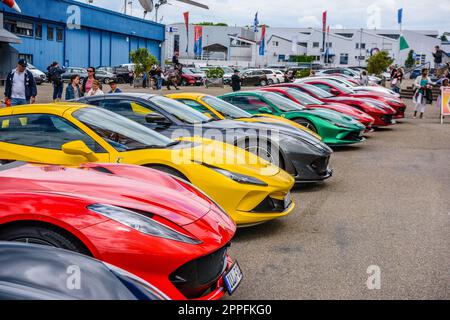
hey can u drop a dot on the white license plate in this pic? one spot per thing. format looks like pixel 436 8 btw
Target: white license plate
pixel 287 200
pixel 233 278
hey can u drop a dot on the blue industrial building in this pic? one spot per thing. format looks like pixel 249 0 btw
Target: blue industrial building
pixel 79 35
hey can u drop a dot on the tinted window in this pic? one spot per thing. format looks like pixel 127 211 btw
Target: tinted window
pixel 179 110
pixel 199 107
pixel 226 109
pixel 43 131
pixel 282 103
pixel 249 103
pixel 123 134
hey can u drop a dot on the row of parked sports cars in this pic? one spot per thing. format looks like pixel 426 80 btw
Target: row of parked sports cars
pixel 138 182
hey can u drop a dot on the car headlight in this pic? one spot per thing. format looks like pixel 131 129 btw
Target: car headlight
pixel 238 177
pixel 140 223
pixel 340 125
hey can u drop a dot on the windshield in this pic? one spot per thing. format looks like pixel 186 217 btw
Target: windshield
pixel 227 70
pixel 340 87
pixel 282 103
pixel 317 91
pixel 343 82
pixel 180 110
pixel 187 71
pixel 304 98
pixel 226 109
pixel 123 134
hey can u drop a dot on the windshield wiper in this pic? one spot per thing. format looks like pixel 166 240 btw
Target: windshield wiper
pixel 149 146
pixel 174 143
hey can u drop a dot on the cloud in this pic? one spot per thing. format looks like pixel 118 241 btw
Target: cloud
pixel 424 14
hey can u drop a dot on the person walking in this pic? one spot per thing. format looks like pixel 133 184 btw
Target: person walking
pixel 159 78
pixel 95 90
pixel 437 54
pixel 364 79
pixel 87 82
pixel 114 87
pixel 236 81
pixel 20 87
pixel 172 77
pixel 396 81
pixel 56 77
pixel 423 94
pixel 73 90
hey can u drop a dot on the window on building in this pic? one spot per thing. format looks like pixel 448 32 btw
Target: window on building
pixel 50 33
pixel 316 44
pixel 59 34
pixel 344 58
pixel 21 28
pixel 329 44
pixel 363 45
pixel 38 31
pixel 275 43
pixel 281 58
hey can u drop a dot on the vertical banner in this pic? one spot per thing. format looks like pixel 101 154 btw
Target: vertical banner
pixel 262 44
pixel 445 103
pixel 186 22
pixel 255 23
pixel 324 30
pixel 400 16
pixel 198 37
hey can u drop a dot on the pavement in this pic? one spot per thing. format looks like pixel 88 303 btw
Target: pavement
pixel 387 208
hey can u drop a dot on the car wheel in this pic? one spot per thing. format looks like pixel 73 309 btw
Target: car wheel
pixel 263 149
pixel 306 123
pixel 169 170
pixel 184 83
pixel 106 81
pixel 263 83
pixel 36 233
pixel 270 81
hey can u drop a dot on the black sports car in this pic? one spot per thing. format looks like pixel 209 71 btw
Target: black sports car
pixel 296 151
pixel 37 272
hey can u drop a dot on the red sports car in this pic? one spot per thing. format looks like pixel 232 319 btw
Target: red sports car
pixel 338 90
pixel 312 103
pixel 146 222
pixel 382 113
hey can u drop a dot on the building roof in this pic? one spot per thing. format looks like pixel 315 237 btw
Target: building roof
pixel 6 36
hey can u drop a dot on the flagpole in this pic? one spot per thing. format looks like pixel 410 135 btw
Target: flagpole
pixel 400 21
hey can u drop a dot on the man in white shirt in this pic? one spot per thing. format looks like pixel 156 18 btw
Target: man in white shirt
pixel 20 86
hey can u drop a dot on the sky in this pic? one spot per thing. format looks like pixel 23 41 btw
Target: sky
pixel 423 14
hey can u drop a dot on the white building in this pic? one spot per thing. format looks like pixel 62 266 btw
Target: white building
pixel 346 47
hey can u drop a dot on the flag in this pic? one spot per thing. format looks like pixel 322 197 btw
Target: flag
pixel 324 21
pixel 198 36
pixel 255 23
pixel 12 4
pixel 186 22
pixel 262 44
pixel 400 16
pixel 403 43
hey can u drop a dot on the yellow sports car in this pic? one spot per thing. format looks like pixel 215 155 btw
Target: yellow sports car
pixel 219 110
pixel 248 188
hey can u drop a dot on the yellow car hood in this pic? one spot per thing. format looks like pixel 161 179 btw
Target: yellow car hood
pixel 226 156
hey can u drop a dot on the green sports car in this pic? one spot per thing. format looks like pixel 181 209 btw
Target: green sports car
pixel 334 127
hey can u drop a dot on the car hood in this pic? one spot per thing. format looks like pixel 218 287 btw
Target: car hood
pixel 153 192
pixel 279 130
pixel 226 156
pixel 333 116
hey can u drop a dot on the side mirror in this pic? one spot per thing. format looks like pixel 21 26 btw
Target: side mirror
pixel 265 110
pixel 158 119
pixel 334 92
pixel 79 148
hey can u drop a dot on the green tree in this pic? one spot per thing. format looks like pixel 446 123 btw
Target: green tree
pixel 444 38
pixel 409 63
pixel 143 59
pixel 302 59
pixel 302 73
pixel 378 63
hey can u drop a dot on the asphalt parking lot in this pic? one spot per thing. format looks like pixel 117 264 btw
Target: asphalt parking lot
pixel 388 205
